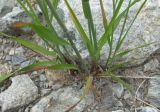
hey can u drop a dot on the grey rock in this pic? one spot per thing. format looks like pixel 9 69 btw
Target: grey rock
pixel 6 3
pixel 128 97
pixel 9 18
pixel 59 101
pixel 22 91
pixel 18 59
pixel 19 50
pixel 5 10
pixel 152 65
pixel 118 89
pixel 16 15
pixel 148 109
pixel 153 95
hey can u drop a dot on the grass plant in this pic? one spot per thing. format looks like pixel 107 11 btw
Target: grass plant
pixel 60 46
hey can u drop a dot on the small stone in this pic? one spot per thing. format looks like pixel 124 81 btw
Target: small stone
pixel 127 95
pixel 152 65
pixel 22 91
pixel 118 104
pixel 19 50
pixel 153 95
pixel 147 109
pixel 118 90
pixel 12 51
pixel 18 59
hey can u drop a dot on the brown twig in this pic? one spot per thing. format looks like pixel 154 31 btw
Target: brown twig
pixel 147 103
pixel 127 77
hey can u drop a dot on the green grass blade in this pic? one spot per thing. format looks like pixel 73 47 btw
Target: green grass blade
pixel 115 20
pixel 25 9
pixel 105 21
pixel 34 47
pixel 3 77
pixel 122 30
pixel 88 15
pixel 44 8
pixel 80 29
pixel 121 54
pixel 111 27
pixel 55 3
pixel 62 25
pixel 63 67
pixel 114 5
pixel 37 66
pixel 45 33
pixel 30 12
pixel 48 65
pixel 31 45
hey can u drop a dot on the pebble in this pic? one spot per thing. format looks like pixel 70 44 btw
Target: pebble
pixel 12 51
pixel 118 89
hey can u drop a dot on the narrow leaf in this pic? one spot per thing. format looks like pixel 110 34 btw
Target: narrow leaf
pixel 63 67
pixel 55 3
pixel 31 45
pixel 105 22
pixel 88 15
pixel 3 77
pixel 79 28
pixel 45 33
pixel 37 66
